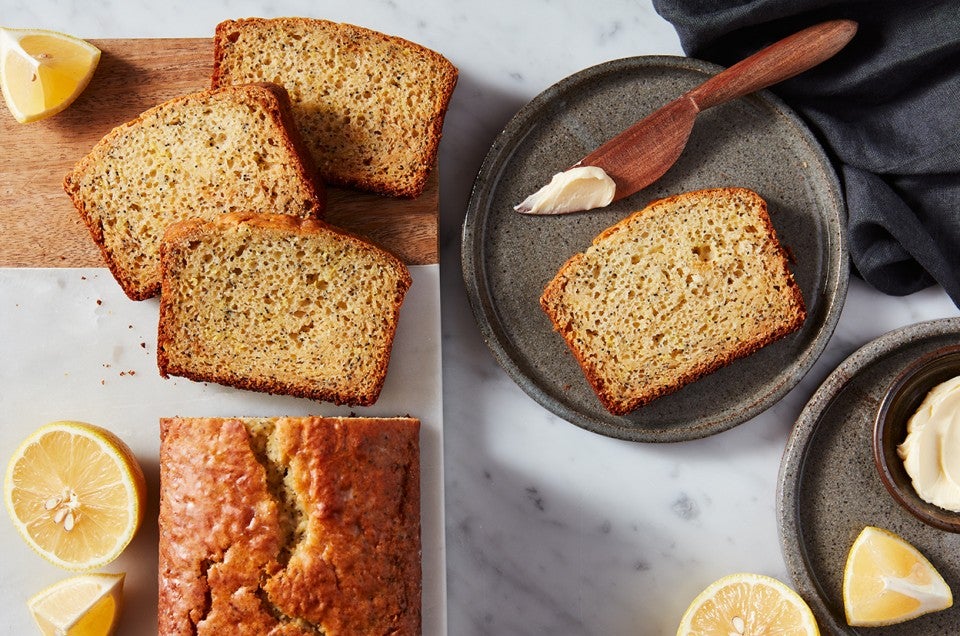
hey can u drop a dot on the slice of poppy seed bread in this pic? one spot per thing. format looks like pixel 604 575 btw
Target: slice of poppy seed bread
pixel 674 292
pixel 370 106
pixel 278 304
pixel 197 155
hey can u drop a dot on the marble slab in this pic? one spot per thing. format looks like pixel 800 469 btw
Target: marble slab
pixel 76 348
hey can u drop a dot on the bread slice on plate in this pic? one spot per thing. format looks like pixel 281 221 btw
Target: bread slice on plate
pixel 289 525
pixel 197 155
pixel 278 304
pixel 370 106
pixel 674 292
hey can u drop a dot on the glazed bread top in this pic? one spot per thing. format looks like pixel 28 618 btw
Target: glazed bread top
pixel 289 526
pixel 195 156
pixel 370 106
pixel 673 292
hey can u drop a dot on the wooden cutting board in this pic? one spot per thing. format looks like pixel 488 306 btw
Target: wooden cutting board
pixel 38 224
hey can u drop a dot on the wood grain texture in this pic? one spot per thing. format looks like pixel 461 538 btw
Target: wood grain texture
pixel 38 224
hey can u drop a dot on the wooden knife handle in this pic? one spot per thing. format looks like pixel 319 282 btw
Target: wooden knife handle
pixel 779 61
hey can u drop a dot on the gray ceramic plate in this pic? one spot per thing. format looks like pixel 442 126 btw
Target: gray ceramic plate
pixel 829 488
pixel 507 258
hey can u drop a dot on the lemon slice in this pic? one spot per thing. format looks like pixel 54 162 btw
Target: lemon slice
pixel 42 72
pixel 84 605
pixel 76 494
pixel 886 581
pixel 746 604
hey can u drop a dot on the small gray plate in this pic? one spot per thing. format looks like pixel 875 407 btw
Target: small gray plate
pixel 829 487
pixel 508 258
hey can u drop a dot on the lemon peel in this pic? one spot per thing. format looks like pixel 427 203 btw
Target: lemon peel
pixel 886 580
pixel 42 71
pixel 83 605
pixel 76 494
pixel 748 604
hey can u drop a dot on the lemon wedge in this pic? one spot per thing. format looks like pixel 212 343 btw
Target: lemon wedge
pixel 76 494
pixel 747 604
pixel 886 580
pixel 84 605
pixel 42 72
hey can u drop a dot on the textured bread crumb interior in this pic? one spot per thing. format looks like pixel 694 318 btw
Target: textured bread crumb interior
pixel 308 313
pixel 366 104
pixel 194 158
pixel 672 292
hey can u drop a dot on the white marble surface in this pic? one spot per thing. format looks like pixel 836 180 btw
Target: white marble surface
pixel 85 352
pixel 550 529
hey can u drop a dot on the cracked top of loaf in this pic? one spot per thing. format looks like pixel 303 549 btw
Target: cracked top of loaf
pixel 289 526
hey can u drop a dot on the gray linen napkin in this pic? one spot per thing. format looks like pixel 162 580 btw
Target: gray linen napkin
pixel 887 110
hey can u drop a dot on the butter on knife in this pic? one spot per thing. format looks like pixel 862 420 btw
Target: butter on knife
pixel 574 190
pixel 643 152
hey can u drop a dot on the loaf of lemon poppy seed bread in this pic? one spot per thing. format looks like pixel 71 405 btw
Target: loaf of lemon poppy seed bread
pixel 369 105
pixel 278 304
pixel 289 526
pixel 674 292
pixel 195 156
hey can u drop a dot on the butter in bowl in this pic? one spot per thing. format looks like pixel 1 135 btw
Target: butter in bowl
pixel 916 438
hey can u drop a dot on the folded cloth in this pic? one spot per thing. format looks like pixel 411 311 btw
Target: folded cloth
pixel 886 110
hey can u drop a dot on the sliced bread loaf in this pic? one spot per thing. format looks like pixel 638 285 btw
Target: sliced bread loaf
pixel 278 304
pixel 198 155
pixel 370 106
pixel 672 293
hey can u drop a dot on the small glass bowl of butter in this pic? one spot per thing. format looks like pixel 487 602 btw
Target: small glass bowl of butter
pixel 916 438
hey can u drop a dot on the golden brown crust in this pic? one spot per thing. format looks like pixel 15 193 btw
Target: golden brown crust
pixel 180 354
pixel 612 394
pixel 353 37
pixel 293 140
pixel 318 531
pixel 275 102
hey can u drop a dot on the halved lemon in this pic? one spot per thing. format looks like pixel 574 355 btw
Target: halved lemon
pixel 746 604
pixel 42 72
pixel 76 493
pixel 886 580
pixel 84 605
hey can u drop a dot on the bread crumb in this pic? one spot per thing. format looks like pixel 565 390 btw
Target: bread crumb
pixel 370 106
pixel 315 317
pixel 197 155
pixel 674 292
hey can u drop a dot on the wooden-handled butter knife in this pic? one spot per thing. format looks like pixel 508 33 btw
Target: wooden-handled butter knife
pixel 642 153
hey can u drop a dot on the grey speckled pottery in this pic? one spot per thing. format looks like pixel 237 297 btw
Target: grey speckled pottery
pixel 829 488
pixel 507 258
